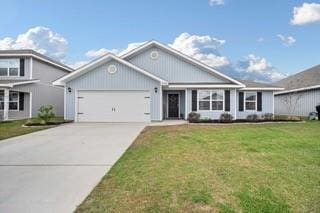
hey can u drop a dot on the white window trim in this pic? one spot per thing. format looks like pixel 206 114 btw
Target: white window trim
pixel 18 101
pixel 210 101
pixel 8 73
pixel 255 101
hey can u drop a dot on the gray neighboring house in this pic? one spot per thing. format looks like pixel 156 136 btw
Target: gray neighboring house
pixel 26 84
pixel 301 94
pixel 155 82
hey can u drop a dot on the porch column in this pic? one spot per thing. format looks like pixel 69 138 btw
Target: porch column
pixel 6 104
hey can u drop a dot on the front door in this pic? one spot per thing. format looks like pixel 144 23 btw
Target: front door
pixel 173 105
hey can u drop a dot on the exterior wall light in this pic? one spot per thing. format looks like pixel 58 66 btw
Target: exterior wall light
pixel 69 89
pixel 156 89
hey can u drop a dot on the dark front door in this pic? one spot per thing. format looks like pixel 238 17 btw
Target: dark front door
pixel 173 105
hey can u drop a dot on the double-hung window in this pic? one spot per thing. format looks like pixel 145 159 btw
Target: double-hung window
pixel 251 101
pixel 13 100
pixel 210 100
pixel 9 67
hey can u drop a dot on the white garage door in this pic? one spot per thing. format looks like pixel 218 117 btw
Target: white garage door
pixel 113 106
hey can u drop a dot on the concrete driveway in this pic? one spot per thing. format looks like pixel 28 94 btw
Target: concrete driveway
pixel 55 169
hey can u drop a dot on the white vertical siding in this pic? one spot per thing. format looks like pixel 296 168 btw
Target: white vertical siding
pixel 124 79
pixel 307 101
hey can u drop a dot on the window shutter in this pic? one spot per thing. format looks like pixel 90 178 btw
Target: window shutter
pixel 241 101
pixel 21 66
pixel 21 101
pixel 194 100
pixel 259 100
pixel 227 100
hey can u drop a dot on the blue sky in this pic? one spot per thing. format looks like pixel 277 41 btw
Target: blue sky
pixel 244 33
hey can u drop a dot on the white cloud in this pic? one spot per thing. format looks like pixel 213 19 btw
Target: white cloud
pixel 260 39
pixel 100 52
pixel 258 68
pixel 40 39
pixel 307 13
pixel 216 2
pixel 78 64
pixel 203 48
pixel 286 40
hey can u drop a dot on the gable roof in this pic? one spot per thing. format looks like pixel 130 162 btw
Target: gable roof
pixel 304 79
pixel 180 55
pixel 34 54
pixel 99 61
pixel 253 85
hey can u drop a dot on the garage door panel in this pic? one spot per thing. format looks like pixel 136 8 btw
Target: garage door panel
pixel 114 106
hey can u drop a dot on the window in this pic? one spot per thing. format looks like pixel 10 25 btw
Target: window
pixel 13 100
pixel 9 67
pixel 251 101
pixel 211 100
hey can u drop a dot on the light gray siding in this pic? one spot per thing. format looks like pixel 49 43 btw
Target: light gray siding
pixel 172 68
pixel 46 73
pixel 26 71
pixel 44 94
pixel 124 79
pixel 306 103
pixel 212 114
pixel 267 105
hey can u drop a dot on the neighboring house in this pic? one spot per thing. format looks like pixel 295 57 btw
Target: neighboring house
pixel 155 82
pixel 26 84
pixel 301 94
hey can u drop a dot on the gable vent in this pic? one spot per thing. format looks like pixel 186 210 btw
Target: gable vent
pixel 154 55
pixel 112 69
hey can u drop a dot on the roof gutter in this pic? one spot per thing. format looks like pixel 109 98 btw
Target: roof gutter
pixel 297 90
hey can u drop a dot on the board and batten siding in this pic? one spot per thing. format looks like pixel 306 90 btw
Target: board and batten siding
pixel 308 100
pixel 267 105
pixel 211 114
pixel 172 68
pixel 124 79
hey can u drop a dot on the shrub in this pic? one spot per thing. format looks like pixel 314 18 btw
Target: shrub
pixel 267 116
pixel 253 117
pixel 193 117
pixel 226 118
pixel 45 114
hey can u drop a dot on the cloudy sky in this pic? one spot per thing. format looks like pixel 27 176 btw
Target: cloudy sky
pixel 262 40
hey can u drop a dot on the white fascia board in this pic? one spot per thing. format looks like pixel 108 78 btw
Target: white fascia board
pixel 37 57
pixel 10 85
pixel 204 86
pixel 176 52
pixel 103 59
pixel 297 90
pixel 262 88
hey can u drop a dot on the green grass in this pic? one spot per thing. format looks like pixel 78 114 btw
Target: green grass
pixel 10 129
pixel 232 168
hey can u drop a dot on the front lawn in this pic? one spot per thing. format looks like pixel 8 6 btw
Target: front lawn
pixel 232 168
pixel 10 129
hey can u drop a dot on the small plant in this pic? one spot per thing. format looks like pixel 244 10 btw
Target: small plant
pixel 45 114
pixel 28 122
pixel 194 117
pixel 267 116
pixel 226 118
pixel 253 117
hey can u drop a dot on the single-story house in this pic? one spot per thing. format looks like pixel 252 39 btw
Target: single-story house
pixel 155 82
pixel 301 94
pixel 26 84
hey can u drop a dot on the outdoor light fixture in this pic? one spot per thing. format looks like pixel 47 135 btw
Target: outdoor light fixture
pixel 156 89
pixel 69 89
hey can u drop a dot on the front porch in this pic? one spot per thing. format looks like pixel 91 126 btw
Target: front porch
pixel 14 104
pixel 173 104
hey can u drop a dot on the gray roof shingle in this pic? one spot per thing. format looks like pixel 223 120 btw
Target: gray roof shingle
pixel 307 78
